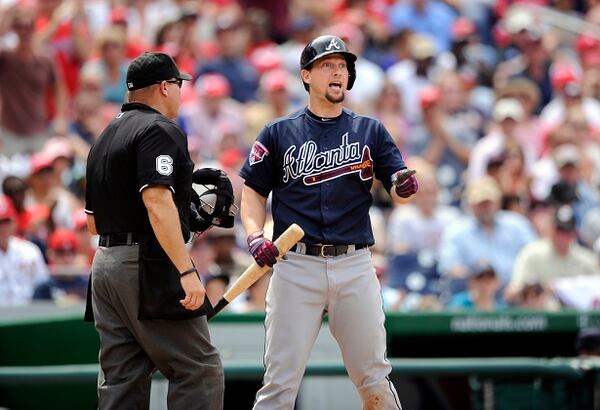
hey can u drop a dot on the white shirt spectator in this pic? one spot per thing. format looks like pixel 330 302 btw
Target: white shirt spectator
pixel 554 113
pixel 368 85
pixel 22 268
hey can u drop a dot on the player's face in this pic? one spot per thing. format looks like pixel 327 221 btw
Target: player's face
pixel 329 77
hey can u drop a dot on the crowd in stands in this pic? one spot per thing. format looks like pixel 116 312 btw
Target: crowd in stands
pixel 495 103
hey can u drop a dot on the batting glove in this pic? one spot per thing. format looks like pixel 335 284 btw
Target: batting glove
pixel 263 250
pixel 405 183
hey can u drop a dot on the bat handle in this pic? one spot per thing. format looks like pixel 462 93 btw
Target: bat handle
pixel 217 308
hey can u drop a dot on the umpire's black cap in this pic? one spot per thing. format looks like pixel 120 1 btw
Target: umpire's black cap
pixel 151 68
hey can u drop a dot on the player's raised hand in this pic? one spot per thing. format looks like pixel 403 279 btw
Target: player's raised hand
pixel 405 183
pixel 263 250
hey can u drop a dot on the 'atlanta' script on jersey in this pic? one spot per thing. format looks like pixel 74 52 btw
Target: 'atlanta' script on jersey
pixel 316 167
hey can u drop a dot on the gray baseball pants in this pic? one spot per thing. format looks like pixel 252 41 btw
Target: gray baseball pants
pixel 132 350
pixel 301 289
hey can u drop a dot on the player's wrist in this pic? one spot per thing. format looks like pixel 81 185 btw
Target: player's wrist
pixel 255 237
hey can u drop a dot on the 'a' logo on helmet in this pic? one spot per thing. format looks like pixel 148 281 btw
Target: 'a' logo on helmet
pixel 332 44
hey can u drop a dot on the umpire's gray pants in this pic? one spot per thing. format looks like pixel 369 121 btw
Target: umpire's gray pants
pixel 131 349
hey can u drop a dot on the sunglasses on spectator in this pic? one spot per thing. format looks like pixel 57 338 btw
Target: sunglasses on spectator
pixel 177 81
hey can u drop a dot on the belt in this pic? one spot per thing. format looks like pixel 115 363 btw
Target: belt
pixel 119 239
pixel 326 251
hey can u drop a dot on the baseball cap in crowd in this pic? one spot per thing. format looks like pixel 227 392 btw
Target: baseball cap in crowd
pixel 7 209
pixel 480 269
pixel 508 108
pixel 422 46
pixel 152 68
pixel 226 22
pixel 274 80
pixel 564 218
pixel 562 75
pixel 483 189
pixel 429 95
pixel 212 85
pixel 63 240
pixel 40 161
pixel 566 154
pixel 462 28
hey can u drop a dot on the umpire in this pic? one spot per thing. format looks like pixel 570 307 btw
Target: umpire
pixel 147 300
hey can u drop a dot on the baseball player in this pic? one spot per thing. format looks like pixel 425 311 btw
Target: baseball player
pixel 138 199
pixel 319 164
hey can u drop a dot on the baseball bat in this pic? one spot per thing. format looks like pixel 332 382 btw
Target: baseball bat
pixel 287 239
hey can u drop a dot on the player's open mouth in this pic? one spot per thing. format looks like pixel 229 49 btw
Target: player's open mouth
pixel 336 84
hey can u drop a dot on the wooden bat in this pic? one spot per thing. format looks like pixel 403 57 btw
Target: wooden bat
pixel 287 239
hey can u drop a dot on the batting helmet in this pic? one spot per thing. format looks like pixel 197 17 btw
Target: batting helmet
pixel 323 46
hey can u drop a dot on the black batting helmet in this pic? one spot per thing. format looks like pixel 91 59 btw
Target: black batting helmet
pixel 323 46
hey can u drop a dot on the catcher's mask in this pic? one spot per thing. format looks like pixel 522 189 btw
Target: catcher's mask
pixel 212 181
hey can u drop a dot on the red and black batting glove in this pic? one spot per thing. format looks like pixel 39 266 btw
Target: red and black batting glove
pixel 405 183
pixel 263 250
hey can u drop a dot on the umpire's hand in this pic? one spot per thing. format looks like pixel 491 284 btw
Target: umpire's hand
pixel 194 291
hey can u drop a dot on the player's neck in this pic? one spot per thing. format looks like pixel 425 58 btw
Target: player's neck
pixel 325 109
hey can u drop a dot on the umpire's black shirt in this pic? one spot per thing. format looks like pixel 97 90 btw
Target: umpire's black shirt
pixel 139 148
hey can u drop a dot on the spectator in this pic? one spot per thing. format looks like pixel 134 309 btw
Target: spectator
pixel 489 234
pixel 528 94
pixel 567 83
pixel 571 188
pixel 546 259
pixel 213 109
pixel 413 75
pixel 26 74
pixel 14 188
pixel 369 76
pixel 216 286
pixel 389 110
pixel 230 259
pixel 450 130
pixel 69 274
pixel 46 189
pixel 508 116
pixel 275 102
pixel 424 16
pixel 62 27
pixel 418 226
pixel 110 65
pixel 533 59
pixel 231 63
pixel 535 296
pixel 482 290
pixel 22 265
pixel 87 243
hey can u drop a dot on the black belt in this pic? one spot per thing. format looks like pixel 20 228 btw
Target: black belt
pixel 325 251
pixel 119 239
